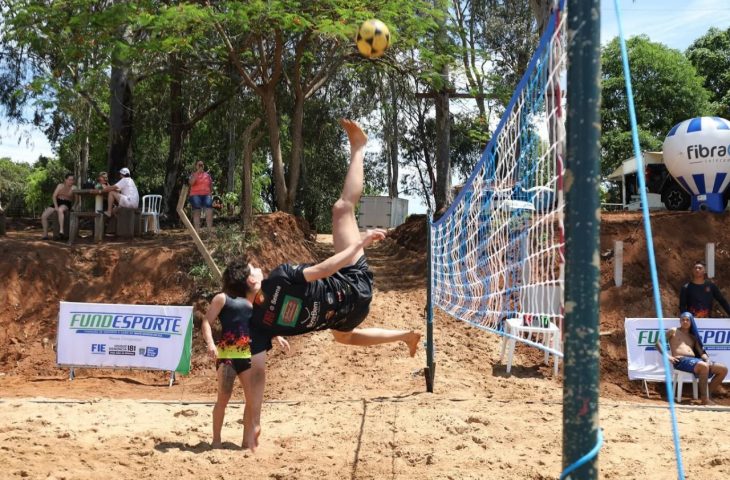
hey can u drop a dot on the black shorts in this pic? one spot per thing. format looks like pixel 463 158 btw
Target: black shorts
pixel 61 201
pixel 238 364
pixel 360 278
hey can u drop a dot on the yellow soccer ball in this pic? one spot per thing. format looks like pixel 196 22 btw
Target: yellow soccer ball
pixel 373 37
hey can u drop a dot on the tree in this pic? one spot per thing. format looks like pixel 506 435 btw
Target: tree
pixel 297 47
pixel 667 90
pixel 54 59
pixel 13 179
pixel 710 55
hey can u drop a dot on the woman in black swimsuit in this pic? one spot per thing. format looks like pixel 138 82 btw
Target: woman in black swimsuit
pixel 63 200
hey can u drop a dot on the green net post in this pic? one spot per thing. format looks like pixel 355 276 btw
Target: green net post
pixel 582 224
pixel 430 369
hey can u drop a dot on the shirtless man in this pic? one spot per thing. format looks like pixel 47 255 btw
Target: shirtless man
pixel 333 295
pixel 689 355
pixel 63 200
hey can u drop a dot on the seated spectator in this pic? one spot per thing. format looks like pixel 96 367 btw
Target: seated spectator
pixel 63 200
pixel 200 196
pixel 688 355
pixel 102 182
pixel 123 193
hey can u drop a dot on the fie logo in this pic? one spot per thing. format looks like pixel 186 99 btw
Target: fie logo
pixel 98 348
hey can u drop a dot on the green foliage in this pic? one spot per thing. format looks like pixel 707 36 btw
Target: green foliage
pixel 324 166
pixel 710 54
pixel 41 183
pixel 667 90
pixel 227 245
pixel 13 179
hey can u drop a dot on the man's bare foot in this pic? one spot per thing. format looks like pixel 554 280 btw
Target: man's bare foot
pixel 216 444
pixel 355 134
pixel 251 444
pixel 707 401
pixel 413 340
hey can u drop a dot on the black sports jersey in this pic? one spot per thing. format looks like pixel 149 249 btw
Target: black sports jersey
pixel 698 299
pixel 288 305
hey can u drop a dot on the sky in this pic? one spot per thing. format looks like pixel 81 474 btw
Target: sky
pixel 674 23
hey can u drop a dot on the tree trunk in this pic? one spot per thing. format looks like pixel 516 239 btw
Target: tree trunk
pixel 249 145
pixel 295 162
pixel 2 220
pixel 83 172
pixel 393 140
pixel 541 9
pixel 120 119
pixel 442 193
pixel 231 163
pixel 272 123
pixel 177 132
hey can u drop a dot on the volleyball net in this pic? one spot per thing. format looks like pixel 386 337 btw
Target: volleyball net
pixel 497 252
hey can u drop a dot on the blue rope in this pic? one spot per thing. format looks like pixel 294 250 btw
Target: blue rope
pixel 585 458
pixel 649 240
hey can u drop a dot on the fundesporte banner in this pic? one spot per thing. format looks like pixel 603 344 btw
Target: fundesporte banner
pixel 642 334
pixel 156 337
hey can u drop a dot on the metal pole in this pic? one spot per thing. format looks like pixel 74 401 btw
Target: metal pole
pixel 430 369
pixel 582 347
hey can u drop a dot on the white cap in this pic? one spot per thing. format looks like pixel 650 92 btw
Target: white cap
pixel 124 171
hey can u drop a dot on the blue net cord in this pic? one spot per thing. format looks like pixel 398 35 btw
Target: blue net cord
pixel 649 239
pixel 585 458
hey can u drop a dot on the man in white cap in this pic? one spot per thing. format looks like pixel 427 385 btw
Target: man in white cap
pixel 123 193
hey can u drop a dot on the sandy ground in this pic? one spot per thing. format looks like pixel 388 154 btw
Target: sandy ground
pixel 334 412
pixel 420 436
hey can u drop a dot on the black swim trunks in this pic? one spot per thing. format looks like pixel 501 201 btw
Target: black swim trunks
pixel 63 201
pixel 289 305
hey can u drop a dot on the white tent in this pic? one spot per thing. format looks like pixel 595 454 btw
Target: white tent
pixel 628 167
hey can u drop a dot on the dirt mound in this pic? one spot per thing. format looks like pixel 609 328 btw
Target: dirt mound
pixel 37 275
pixel 412 233
pixel 281 238
pixel 679 239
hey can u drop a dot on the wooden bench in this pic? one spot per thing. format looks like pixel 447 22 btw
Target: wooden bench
pixel 74 225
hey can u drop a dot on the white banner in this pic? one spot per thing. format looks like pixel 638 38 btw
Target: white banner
pixel 642 334
pixel 156 337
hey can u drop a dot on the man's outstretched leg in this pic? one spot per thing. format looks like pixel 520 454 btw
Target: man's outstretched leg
pixel 364 337
pixel 344 224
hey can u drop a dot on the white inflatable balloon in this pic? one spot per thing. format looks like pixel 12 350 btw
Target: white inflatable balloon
pixel 697 154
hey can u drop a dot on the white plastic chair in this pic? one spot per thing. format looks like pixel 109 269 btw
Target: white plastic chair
pixel 540 329
pixel 680 378
pixel 549 336
pixel 151 205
